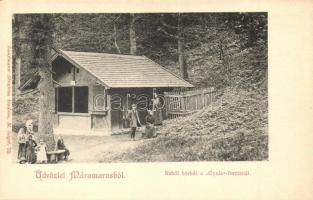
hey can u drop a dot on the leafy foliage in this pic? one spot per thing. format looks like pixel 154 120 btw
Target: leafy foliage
pixel 221 49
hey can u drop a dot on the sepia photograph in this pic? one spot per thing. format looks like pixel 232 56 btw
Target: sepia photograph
pixel 139 87
pixel 137 99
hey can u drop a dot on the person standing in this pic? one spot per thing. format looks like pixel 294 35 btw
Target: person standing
pixel 157 110
pixel 21 138
pixel 42 152
pixel 134 121
pixel 29 130
pixel 30 150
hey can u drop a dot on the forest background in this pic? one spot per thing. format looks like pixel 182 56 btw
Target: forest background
pixel 227 51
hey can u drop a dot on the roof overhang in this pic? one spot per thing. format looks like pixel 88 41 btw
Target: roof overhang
pixel 59 53
pixel 63 54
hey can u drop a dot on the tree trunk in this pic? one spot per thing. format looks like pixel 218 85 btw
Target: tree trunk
pixel 132 35
pixel 115 39
pixel 181 58
pixel 46 107
pixel 17 45
pixel 42 41
pixel 17 78
pixel 225 63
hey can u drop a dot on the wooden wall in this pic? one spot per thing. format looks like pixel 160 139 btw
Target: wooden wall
pixel 96 118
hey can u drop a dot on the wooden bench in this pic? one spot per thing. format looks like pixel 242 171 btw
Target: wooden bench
pixel 55 156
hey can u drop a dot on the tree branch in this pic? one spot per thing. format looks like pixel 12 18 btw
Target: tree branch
pixel 114 20
pixel 168 34
pixel 167 25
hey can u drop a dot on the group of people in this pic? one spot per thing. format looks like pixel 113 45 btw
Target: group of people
pixel 29 150
pixel 153 118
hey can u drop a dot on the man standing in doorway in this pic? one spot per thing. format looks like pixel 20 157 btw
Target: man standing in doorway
pixel 134 121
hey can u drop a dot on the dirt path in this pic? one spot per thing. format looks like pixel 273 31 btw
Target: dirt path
pixel 95 148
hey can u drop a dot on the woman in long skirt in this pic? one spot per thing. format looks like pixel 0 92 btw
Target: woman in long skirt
pixel 61 146
pixel 157 111
pixel 30 150
pixel 21 138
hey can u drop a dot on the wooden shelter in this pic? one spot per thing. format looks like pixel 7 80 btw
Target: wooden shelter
pixel 94 91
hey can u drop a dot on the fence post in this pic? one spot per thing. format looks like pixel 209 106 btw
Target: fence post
pixel 166 105
pixel 211 98
pixel 183 108
pixel 187 103
pixel 203 100
pixel 221 102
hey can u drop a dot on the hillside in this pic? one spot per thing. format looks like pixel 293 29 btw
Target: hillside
pixel 234 130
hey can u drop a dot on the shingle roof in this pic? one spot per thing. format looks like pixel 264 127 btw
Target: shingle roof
pixel 124 71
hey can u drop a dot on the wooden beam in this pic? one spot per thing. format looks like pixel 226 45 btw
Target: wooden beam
pixel 73 99
pixel 74 73
pixel 105 99
pixel 56 82
pixel 56 99
pixel 109 115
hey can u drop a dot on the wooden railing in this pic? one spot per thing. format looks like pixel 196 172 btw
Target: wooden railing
pixel 179 104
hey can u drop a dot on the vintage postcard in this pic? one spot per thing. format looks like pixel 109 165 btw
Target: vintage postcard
pixel 108 100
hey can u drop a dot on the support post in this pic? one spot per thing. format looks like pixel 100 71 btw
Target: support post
pixel 109 114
